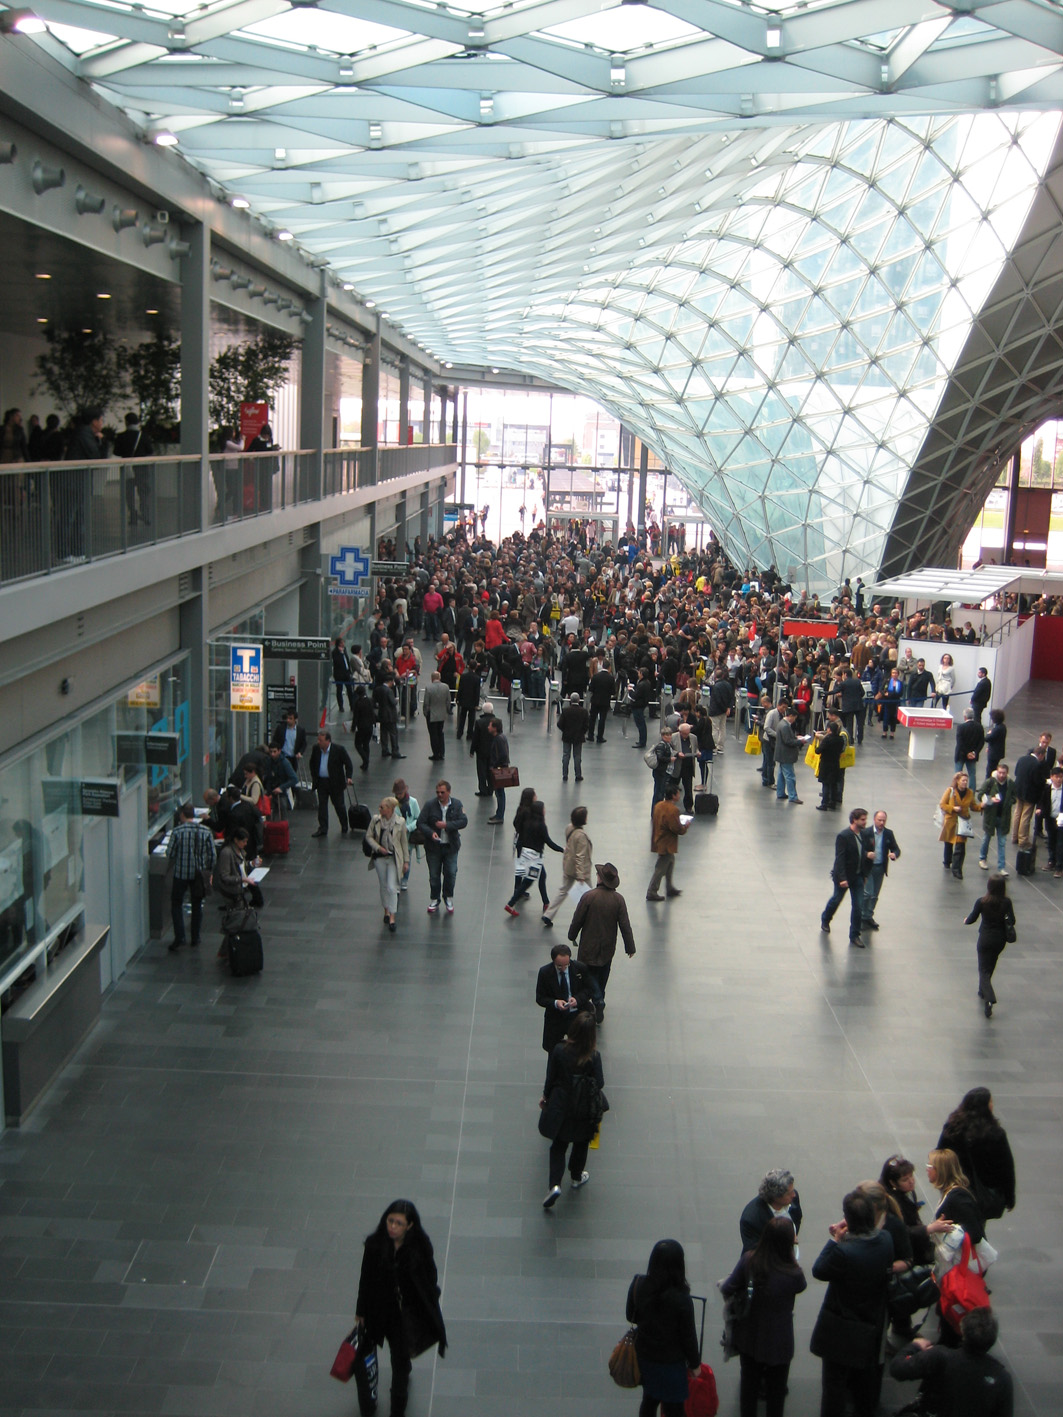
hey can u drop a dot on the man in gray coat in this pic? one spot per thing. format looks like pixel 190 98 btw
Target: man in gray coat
pixel 598 917
pixel 787 747
pixel 436 705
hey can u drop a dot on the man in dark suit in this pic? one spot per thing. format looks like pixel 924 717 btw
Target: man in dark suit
pixel 847 874
pixel 879 846
pixel 981 693
pixel 342 674
pixel 775 1196
pixel 290 737
pixel 331 772
pixel 563 989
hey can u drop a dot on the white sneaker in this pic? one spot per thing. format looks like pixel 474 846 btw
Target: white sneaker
pixel 405 886
pixel 551 1197
pixel 582 1181
pixel 983 865
pixel 433 906
pixel 450 906
pixel 1003 873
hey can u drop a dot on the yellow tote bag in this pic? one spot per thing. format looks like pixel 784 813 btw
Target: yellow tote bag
pixel 811 756
pixel 753 745
pixel 848 758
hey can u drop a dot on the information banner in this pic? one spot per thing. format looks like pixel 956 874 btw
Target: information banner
pixel 280 698
pixel 817 629
pixel 99 797
pixel 296 646
pixel 145 694
pixel 245 678
pixel 253 418
pixel 388 568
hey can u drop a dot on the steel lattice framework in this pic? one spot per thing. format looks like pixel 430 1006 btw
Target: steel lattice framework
pixel 767 235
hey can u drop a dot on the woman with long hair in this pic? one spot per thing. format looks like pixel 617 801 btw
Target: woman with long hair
pixel 945 681
pixel 996 916
pixel 957 1215
pixel 983 1151
pixel 956 805
pixel 398 1299
pixel 765 1337
pixel 666 1340
pixel 573 1075
pixel 532 838
pixel 898 1178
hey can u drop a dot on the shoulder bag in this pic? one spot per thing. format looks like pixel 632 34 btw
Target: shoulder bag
pixel 624 1362
pixel 505 776
pixel 964 827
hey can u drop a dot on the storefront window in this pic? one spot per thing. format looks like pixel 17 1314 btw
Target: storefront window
pixel 230 735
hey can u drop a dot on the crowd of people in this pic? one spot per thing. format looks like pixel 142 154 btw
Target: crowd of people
pixel 677 649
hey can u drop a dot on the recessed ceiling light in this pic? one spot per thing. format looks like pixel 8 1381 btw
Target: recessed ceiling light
pixel 22 22
pixel 43 275
pixel 241 203
pixel 165 139
pixel 284 236
pixel 42 319
pixel 86 332
pixel 280 154
pixel 370 304
pixel 347 285
pixel 151 312
pixel 102 295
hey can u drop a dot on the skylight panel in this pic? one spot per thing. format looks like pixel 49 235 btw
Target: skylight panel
pixel 625 28
pixel 78 40
pixel 338 34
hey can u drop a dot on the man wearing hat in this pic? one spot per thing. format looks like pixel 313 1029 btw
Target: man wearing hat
pixel 598 916
pixel 573 722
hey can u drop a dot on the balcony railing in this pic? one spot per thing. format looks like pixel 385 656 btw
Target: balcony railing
pixel 56 515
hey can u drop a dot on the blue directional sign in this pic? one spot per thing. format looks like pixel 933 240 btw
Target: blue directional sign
pixel 349 567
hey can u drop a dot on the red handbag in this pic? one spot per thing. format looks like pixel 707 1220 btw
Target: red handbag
pixel 346 1358
pixel 702 1398
pixel 961 1288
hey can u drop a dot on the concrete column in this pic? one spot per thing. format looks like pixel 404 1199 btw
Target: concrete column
pixel 312 391
pixel 195 357
pixel 644 470
pixel 427 426
pixel 404 400
pixel 443 392
pixel 194 628
pixel 454 419
pixel 312 679
pixel 371 400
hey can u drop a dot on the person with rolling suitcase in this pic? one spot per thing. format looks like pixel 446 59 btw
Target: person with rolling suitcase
pixel 241 942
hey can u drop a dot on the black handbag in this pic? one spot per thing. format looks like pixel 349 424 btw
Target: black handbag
pixel 553 1114
pixel 910 1291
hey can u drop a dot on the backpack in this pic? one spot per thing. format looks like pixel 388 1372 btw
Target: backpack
pixel 961 1288
pixel 587 1101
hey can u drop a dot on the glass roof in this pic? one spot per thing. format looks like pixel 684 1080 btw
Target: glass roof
pixel 760 234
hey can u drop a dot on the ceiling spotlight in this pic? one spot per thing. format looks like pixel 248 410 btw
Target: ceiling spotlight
pixel 346 67
pixel 236 100
pixel 21 22
pixel 123 217
pixel 285 235
pixel 487 108
pixel 376 135
pixel 42 319
pixel 86 201
pixel 477 33
pixel 8 152
pixel 165 139
pixel 103 295
pixel 772 37
pixel 44 178
pixel 239 282
pixel 280 154
pixel 240 204
pixel 370 304
pixel 347 285
pixel 43 275
pixel 151 312
pixel 617 71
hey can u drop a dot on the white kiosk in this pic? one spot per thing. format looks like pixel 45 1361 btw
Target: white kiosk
pixel 923 725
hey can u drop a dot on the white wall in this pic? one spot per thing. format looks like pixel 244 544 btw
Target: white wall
pixel 18 376
pixel 1013 661
pixel 967 659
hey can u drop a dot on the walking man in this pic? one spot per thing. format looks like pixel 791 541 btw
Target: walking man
pixel 667 829
pixel 191 852
pixel 573 721
pixel 599 916
pixel 331 772
pixel 442 820
pixel 880 848
pixel 847 875
pixel 436 706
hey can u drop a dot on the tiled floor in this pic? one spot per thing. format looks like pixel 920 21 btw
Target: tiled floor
pixel 181 1220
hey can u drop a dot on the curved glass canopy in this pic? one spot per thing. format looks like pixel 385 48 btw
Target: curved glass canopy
pixel 760 233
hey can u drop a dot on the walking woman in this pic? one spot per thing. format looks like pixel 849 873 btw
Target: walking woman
pixel 765 1337
pixel 956 805
pixel 666 1340
pixel 996 916
pixel 983 1151
pixel 388 846
pixel 569 1106
pixel 398 1299
pixel 575 864
pixel 409 810
pixel 533 836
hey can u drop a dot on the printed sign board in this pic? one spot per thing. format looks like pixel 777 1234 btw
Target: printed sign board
pixel 253 418
pixel 146 694
pixel 280 698
pixel 388 568
pixel 138 749
pixel 296 646
pixel 99 797
pixel 245 678
pixel 356 592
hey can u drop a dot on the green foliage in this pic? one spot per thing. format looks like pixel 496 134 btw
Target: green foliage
pixel 481 442
pixel 81 370
pixel 153 374
pixel 248 373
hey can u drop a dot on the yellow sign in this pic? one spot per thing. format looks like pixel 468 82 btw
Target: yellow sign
pixel 146 694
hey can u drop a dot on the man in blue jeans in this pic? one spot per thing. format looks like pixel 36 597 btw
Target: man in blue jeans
pixel 787 747
pixel 191 852
pixel 997 796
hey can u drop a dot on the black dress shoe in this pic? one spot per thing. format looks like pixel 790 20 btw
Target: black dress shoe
pixel 824 925
pixel 870 924
pixel 319 834
pixel 397 756
pixel 857 941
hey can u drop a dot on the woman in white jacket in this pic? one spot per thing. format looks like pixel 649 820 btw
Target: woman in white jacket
pixel 944 681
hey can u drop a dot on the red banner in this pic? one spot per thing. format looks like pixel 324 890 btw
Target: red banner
pixel 253 417
pixel 817 629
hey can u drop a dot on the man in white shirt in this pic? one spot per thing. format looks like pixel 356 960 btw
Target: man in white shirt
pixel 1052 819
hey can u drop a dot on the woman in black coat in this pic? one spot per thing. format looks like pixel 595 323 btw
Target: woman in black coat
pixel 997 919
pixel 982 1149
pixel 957 1211
pixel 898 1180
pixel 666 1340
pixel 532 835
pixel 765 1337
pixel 563 1104
pixel 398 1299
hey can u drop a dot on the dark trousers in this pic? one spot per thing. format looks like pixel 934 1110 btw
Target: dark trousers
pixel 442 863
pixel 435 737
pixel 177 898
pixel 638 718
pixel 389 738
pixel 599 715
pixel 576 1161
pixel 347 684
pixel 830 796
pixel 767 764
pixel 987 962
pixel 955 854
pixel 862 1383
pixel 856 906
pixel 362 741
pixel 754 1375
pixel 522 888
pixel 326 792
pixel 400 1374
pixel 649 1405
pixel 483 776
pixel 686 777
pixel 466 718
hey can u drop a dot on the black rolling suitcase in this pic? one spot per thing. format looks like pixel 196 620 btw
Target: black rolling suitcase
pixel 244 949
pixel 358 817
pixel 1026 860
pixel 706 802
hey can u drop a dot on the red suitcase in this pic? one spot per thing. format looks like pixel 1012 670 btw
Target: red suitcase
pixel 276 838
